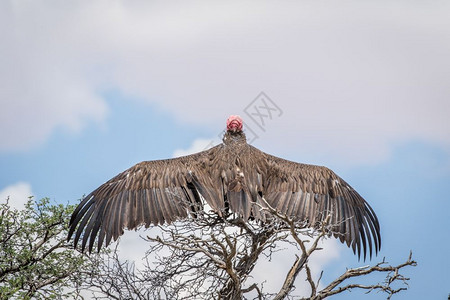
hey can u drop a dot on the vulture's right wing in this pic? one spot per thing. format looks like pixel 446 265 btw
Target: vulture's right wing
pixel 157 192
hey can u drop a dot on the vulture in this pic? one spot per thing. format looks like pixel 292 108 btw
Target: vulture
pixel 233 176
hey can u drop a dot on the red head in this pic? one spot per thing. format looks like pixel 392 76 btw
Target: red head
pixel 234 123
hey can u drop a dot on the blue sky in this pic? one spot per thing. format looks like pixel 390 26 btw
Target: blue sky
pixel 362 88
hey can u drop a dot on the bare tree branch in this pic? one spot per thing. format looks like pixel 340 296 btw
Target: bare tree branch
pixel 393 275
pixel 213 257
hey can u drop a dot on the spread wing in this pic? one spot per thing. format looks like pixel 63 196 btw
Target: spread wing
pixel 308 192
pixel 150 192
pixel 162 191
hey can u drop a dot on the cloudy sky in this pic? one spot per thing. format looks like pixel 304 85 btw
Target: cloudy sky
pixel 88 88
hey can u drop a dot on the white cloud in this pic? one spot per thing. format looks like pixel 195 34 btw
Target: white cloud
pixel 18 194
pixel 198 145
pixel 273 273
pixel 43 76
pixel 132 247
pixel 351 79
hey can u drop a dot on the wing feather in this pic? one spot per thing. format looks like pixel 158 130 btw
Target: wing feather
pixel 149 216
pixel 98 227
pixel 164 205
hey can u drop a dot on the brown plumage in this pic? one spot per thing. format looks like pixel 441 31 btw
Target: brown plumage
pixel 233 174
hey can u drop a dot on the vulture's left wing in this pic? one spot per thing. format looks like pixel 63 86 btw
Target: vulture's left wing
pixel 308 192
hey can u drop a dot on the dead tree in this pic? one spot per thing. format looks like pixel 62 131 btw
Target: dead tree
pixel 212 257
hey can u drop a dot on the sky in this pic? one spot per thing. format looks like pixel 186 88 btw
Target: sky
pixel 89 88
